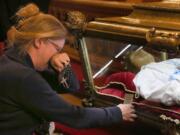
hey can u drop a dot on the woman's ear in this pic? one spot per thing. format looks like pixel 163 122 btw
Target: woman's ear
pixel 37 43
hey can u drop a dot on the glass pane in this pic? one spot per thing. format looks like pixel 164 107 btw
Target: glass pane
pixel 108 56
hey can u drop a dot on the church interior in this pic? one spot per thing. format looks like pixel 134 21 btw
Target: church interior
pixel 110 42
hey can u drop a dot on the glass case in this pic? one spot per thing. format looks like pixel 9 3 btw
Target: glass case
pixel 114 49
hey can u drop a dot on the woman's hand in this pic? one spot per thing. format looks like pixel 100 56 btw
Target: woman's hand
pixel 59 61
pixel 128 112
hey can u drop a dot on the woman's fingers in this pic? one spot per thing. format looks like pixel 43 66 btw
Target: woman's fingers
pixel 60 61
pixel 128 112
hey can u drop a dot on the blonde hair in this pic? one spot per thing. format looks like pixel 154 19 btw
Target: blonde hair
pixel 34 24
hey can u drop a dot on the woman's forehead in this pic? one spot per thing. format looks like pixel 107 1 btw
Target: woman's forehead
pixel 58 41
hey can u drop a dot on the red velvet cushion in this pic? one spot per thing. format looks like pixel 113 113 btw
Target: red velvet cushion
pixel 124 77
pixel 1 48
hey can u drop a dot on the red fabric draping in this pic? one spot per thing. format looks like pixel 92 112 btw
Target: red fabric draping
pixel 1 48
pixel 127 79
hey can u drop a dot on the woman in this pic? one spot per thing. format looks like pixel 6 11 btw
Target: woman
pixel 26 99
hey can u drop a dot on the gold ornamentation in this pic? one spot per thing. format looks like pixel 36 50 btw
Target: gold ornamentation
pixel 165 118
pixel 163 38
pixel 75 19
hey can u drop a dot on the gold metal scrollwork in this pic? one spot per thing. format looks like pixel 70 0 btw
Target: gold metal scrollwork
pixel 165 118
pixel 171 127
pixel 171 40
pixel 75 19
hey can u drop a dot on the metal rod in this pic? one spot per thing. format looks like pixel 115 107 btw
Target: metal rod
pixel 122 51
pixel 102 69
pixel 86 63
pixel 141 47
pixel 109 63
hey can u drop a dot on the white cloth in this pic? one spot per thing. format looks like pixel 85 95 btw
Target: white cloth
pixel 160 82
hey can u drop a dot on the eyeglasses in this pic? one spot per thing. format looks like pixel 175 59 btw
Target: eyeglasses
pixel 56 46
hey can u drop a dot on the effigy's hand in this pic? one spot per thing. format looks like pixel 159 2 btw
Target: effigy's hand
pixel 128 112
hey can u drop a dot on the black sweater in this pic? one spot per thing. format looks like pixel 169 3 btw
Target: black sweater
pixel 26 99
